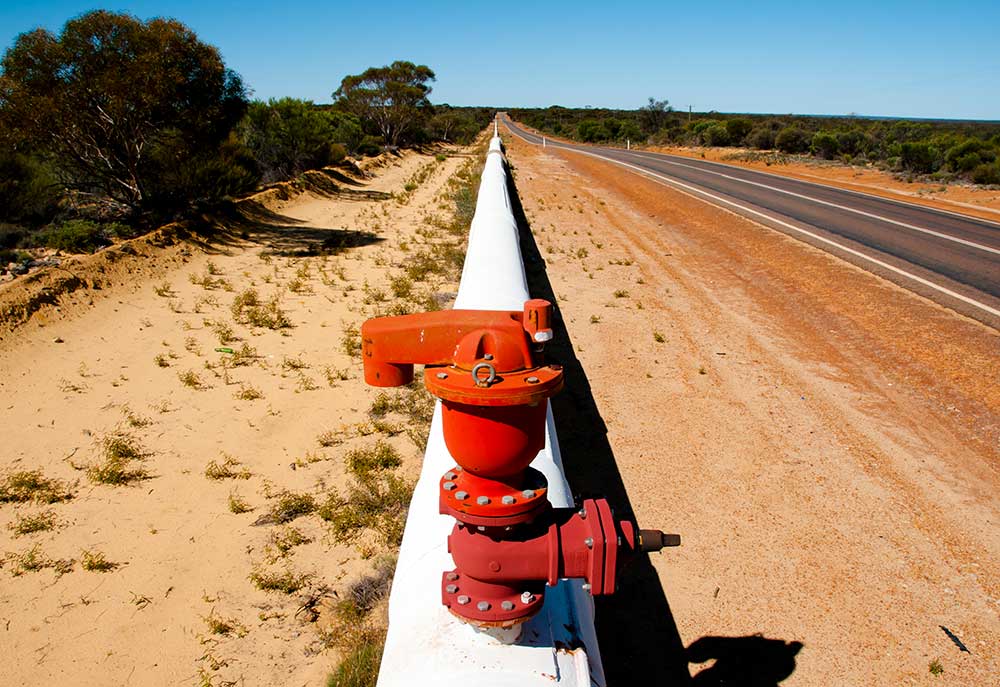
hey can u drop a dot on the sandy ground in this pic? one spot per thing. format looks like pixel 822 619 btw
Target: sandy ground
pixel 976 201
pixel 826 443
pixel 110 361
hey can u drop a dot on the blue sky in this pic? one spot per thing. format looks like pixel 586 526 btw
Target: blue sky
pixel 914 59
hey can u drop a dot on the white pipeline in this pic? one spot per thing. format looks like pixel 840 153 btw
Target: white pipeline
pixel 426 645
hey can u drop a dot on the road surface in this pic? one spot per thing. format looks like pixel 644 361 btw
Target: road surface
pixel 951 258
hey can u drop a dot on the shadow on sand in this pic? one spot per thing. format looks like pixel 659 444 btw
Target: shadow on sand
pixel 639 640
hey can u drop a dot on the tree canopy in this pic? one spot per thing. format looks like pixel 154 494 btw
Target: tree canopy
pixel 119 102
pixel 392 99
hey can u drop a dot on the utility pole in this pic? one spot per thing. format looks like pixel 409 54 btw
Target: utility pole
pixel 689 113
pixel 628 144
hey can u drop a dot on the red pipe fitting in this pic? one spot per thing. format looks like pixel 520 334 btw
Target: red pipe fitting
pixel 486 368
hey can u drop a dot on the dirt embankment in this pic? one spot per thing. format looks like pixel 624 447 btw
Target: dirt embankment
pixel 825 442
pixel 231 477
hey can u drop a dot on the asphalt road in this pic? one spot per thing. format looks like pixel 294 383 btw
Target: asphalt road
pixel 951 258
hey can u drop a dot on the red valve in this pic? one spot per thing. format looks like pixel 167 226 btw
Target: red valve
pixel 486 368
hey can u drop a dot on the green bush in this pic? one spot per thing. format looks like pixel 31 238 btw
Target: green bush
pixel 715 135
pixel 75 236
pixel 987 173
pixel 370 145
pixel 592 131
pixel 792 139
pixel 761 137
pixel 738 130
pixel 29 192
pixel 825 144
pixel 920 157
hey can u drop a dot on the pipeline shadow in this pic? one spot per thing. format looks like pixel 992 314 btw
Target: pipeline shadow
pixel 636 630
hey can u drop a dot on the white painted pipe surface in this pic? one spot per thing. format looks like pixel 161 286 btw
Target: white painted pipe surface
pixel 426 645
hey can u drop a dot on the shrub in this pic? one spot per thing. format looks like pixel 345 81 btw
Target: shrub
pixel 987 173
pixel 32 485
pixel 825 144
pixel 715 135
pixel 76 236
pixel 761 137
pixel 792 140
pixel 737 129
pixel 920 157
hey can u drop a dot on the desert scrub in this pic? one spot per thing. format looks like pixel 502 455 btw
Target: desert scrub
pixel 223 626
pixel 288 506
pixel 364 461
pixel 350 342
pixel 164 290
pixel 191 379
pixel 247 308
pixel 359 644
pixel 402 286
pixel 32 485
pixel 286 581
pixel 290 364
pixel 119 451
pixel 287 539
pixel 658 337
pixel 95 561
pixel 378 502
pixel 224 333
pixel 237 504
pixel 229 468
pixel 32 523
pixel 621 293
pixel 248 392
pixel 244 355
pixel 34 560
pixel 334 375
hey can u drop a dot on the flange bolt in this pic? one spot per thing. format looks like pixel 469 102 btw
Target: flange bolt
pixel 463 599
pixel 483 605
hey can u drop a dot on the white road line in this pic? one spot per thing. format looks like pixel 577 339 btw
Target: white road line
pixel 871 215
pixel 694 190
pixel 863 194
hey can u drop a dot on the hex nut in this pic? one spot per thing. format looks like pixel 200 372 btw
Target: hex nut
pixel 507 605
pixel 532 380
pixel 450 475
pixel 527 598
pixel 528 493
pixel 448 486
pixel 589 541
pixel 451 588
pixel 507 500
pixel 483 500
pixel 463 599
pixel 452 576
pixel 461 495
pixel 483 605
pixel 442 375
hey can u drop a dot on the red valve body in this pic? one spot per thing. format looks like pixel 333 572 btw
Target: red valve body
pixel 509 542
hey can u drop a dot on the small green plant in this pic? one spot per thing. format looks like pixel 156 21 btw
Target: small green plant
pixel 402 286
pixel 32 485
pixel 364 461
pixel 350 342
pixel 34 560
pixel 164 290
pixel 237 504
pixel 288 506
pixel 378 502
pixel 658 337
pixel 285 581
pixel 224 333
pixel 119 451
pixel 334 375
pixel 582 253
pixel 287 539
pixel 595 319
pixel 289 364
pixel 935 668
pixel 329 438
pixel 32 523
pixel 244 355
pixel 191 379
pixel 229 468
pixel 95 561
pixel 248 392
pixel 162 360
